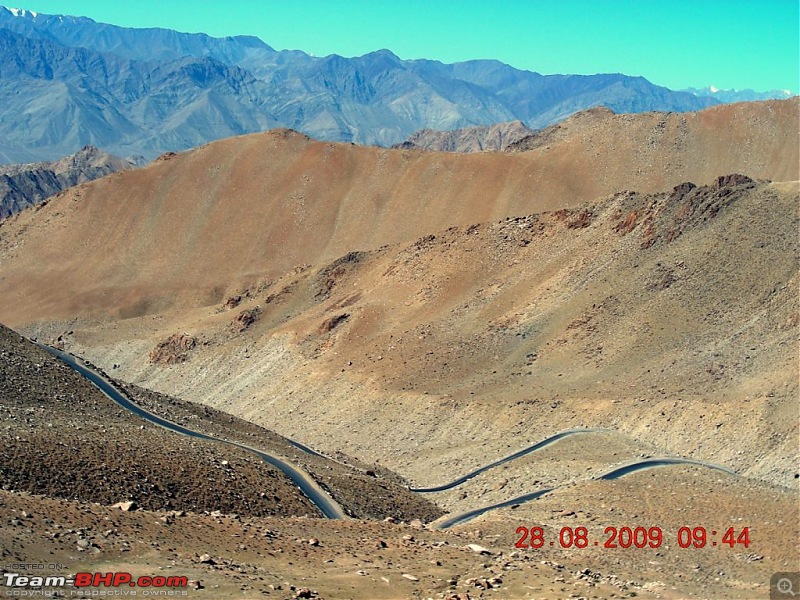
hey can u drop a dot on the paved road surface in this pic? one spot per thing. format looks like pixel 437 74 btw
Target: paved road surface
pixel 319 497
pixel 329 507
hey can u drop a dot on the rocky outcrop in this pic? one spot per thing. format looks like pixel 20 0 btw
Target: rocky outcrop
pixel 22 186
pixel 245 319
pixel 175 349
pixel 470 139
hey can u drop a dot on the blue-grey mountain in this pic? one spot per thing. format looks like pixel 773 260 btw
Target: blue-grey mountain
pixel 70 81
pixel 739 95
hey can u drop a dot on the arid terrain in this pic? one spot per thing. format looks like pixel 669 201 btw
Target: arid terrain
pixel 192 229
pixel 227 555
pixel 414 316
pixel 55 422
pixel 23 186
pixel 469 139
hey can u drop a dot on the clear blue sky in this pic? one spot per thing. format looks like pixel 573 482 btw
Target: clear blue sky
pixel 678 43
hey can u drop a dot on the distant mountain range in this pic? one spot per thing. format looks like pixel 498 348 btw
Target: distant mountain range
pixel 70 81
pixel 738 95
pixel 22 186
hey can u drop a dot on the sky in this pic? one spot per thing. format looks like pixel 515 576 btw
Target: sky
pixel 676 43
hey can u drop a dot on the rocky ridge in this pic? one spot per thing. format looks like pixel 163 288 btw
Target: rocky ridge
pixel 23 186
pixel 498 137
pixel 148 91
pixel 192 228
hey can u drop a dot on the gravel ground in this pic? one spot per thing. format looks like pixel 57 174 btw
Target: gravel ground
pixel 63 438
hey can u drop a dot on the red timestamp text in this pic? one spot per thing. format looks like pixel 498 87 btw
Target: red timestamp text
pixel 631 537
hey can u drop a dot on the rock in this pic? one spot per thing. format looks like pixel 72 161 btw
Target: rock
pixel 477 549
pixel 479 582
pixel 733 180
pixel 196 584
pixel 410 577
pixel 469 139
pixel 125 506
pixel 333 322
pixel 206 559
pixel 233 301
pixel 175 349
pixel 679 191
pixel 246 318
pixel 303 593
pixel 417 524
pixel 362 573
pixel 313 542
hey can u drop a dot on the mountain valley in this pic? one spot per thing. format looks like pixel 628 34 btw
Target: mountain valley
pixel 627 281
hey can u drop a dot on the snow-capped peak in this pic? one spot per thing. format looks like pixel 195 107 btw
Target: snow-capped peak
pixel 21 12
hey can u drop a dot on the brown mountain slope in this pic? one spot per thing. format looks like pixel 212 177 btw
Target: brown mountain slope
pixel 63 437
pixel 671 318
pixel 192 228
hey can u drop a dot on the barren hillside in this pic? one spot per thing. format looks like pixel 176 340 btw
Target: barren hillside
pixel 671 317
pixel 668 320
pixel 430 313
pixel 54 421
pixel 191 229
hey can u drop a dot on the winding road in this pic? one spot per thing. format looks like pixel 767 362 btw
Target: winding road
pixel 651 463
pixel 322 500
pixel 617 472
pixel 451 520
pixel 525 451
pixel 319 497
